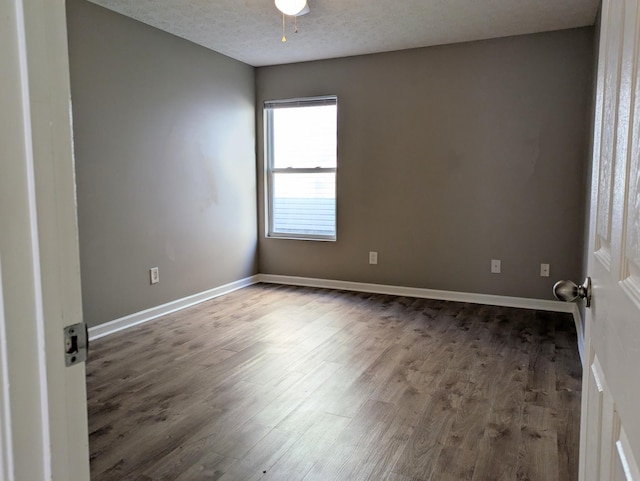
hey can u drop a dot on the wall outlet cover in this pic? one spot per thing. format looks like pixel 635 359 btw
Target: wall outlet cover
pixel 544 270
pixel 496 266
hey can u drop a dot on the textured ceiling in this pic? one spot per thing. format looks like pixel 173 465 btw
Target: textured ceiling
pixel 250 30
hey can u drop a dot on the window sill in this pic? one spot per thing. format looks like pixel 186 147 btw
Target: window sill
pixel 300 238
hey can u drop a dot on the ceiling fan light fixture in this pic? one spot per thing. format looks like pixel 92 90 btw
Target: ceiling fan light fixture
pixel 291 7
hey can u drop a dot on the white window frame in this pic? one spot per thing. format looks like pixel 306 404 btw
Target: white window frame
pixel 268 108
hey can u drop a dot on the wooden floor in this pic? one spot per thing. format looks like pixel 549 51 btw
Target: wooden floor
pixel 278 383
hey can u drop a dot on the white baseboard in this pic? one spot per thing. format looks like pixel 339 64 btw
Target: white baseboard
pixel 522 302
pixel 577 318
pixel 164 309
pixel 506 301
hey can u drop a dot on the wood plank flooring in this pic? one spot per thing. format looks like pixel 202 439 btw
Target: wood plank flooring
pixel 288 383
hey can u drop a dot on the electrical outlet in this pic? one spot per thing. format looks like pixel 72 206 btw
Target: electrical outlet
pixel 373 257
pixel 495 266
pixel 154 274
pixel 544 270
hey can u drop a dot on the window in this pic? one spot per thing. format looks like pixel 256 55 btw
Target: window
pixel 301 149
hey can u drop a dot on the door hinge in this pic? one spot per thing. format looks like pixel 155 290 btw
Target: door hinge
pixel 76 343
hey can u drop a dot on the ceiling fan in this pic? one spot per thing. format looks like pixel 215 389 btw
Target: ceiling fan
pixel 291 8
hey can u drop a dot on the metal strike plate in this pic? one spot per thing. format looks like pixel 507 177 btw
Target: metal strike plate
pixel 76 344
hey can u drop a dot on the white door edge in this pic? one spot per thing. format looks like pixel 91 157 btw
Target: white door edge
pixel 43 432
pixel 6 444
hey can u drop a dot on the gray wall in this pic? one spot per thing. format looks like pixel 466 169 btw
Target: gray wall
pixel 450 157
pixel 164 135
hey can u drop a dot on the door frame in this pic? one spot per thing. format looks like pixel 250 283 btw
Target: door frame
pixel 43 416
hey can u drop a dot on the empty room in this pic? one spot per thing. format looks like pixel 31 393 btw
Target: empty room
pixel 320 240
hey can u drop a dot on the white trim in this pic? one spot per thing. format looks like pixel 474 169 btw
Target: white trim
pixel 35 254
pixel 505 301
pixel 141 317
pixel 521 302
pixel 271 171
pixel 6 442
pixel 626 456
pixel 131 320
pixel 577 318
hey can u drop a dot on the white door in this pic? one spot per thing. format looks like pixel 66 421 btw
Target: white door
pixel 43 415
pixel 610 430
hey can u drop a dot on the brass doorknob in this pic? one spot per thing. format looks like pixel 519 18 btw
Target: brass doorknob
pixel 568 291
